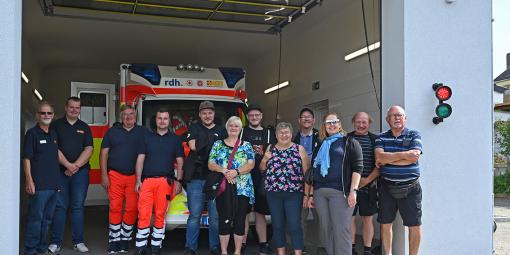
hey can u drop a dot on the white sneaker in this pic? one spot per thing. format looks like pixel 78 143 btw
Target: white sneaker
pixel 53 248
pixel 80 247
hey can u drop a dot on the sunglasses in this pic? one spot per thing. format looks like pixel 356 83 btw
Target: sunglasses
pixel 332 122
pixel 46 113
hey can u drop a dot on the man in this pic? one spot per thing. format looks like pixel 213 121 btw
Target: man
pixel 200 139
pixel 367 193
pixel 260 138
pixel 154 171
pixel 42 173
pixel 308 137
pixel 119 151
pixel 397 152
pixel 75 148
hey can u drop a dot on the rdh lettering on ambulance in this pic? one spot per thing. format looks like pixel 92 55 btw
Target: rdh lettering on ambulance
pixel 149 87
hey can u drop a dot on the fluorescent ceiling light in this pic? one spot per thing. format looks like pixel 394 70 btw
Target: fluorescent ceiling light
pixel 24 77
pixel 279 86
pixel 37 94
pixel 363 51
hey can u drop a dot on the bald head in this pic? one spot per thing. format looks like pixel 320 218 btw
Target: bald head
pixel 396 117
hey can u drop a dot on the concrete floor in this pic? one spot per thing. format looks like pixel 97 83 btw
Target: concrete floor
pixel 501 242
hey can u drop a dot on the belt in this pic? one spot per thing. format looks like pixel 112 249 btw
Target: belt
pixel 399 183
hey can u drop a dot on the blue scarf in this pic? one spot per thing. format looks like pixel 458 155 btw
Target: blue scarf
pixel 322 157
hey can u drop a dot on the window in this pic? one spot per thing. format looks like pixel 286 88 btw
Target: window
pixel 93 108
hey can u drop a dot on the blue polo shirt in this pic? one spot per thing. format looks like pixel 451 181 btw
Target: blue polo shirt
pixel 408 140
pixel 42 150
pixel 72 139
pixel 124 147
pixel 160 153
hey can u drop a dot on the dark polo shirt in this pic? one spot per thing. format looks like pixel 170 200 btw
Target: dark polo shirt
pixel 160 153
pixel 42 150
pixel 124 147
pixel 72 139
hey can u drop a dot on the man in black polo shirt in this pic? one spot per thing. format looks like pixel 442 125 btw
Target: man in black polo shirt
pixel 260 138
pixel 40 163
pixel 200 139
pixel 75 146
pixel 367 194
pixel 154 169
pixel 119 150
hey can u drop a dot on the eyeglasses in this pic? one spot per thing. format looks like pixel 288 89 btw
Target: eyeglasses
pixel 396 115
pixel 46 113
pixel 256 115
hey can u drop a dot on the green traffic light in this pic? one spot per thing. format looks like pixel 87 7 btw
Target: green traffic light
pixel 443 110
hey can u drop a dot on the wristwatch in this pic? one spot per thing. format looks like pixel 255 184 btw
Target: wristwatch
pixel 237 171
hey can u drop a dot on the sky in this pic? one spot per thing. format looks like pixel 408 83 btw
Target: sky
pixel 500 35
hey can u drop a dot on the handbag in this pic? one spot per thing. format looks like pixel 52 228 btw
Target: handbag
pixel 400 191
pixel 216 183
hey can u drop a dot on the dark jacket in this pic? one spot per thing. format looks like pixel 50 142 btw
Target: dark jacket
pixel 352 162
pixel 316 142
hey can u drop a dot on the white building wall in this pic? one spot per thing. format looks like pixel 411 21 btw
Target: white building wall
pixel 425 42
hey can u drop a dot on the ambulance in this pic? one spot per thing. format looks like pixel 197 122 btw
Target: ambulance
pixel 149 87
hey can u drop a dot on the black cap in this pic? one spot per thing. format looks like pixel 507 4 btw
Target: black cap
pixel 206 105
pixel 254 107
pixel 306 109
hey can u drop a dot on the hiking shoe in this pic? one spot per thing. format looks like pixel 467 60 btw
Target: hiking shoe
pixel 265 249
pixel 189 251
pixel 53 249
pixel 113 247
pixel 81 247
pixel 123 246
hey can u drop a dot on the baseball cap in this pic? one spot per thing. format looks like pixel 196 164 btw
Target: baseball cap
pixel 206 105
pixel 254 107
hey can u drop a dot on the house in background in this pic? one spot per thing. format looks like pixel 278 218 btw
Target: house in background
pixel 501 94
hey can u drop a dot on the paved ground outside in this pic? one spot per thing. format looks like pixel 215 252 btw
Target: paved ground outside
pixel 501 239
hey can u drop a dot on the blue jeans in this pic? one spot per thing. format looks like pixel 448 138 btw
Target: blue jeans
pixel 285 207
pixel 40 212
pixel 196 206
pixel 72 197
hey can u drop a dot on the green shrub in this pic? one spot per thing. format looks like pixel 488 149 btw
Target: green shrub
pixel 502 184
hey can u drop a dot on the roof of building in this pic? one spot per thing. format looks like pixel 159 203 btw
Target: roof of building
pixel 503 76
pixel 499 89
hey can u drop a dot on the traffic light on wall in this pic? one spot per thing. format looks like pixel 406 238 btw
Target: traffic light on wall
pixel 443 110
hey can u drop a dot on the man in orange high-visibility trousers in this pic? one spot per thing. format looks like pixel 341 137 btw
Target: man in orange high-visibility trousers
pixel 154 173
pixel 119 151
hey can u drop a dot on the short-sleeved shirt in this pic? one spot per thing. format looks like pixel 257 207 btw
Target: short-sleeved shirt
pixel 124 147
pixel 285 170
pixel 41 149
pixel 160 153
pixel 368 153
pixel 259 140
pixel 306 141
pixel 72 138
pixel 408 140
pixel 204 138
pixel 220 155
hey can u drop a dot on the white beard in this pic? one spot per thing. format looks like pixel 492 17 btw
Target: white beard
pixel 45 122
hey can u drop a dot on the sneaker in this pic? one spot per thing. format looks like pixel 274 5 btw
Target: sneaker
pixel 189 251
pixel 113 247
pixel 123 246
pixel 53 249
pixel 265 249
pixel 215 252
pixel 81 247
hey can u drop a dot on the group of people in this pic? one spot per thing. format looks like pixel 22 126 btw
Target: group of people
pixel 238 170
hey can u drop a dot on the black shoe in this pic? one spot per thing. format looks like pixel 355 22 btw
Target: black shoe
pixel 189 251
pixel 265 249
pixel 113 247
pixel 354 252
pixel 215 252
pixel 141 251
pixel 123 246
pixel 155 250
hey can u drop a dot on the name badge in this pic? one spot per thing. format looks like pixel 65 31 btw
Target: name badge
pixel 42 141
pixel 80 131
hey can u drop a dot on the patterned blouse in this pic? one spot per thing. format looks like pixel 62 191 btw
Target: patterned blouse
pixel 220 154
pixel 285 170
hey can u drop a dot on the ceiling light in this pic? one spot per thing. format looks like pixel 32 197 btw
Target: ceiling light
pixel 38 95
pixel 363 51
pixel 24 77
pixel 279 86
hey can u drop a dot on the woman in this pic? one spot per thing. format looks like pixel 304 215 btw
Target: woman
pixel 235 202
pixel 285 163
pixel 336 175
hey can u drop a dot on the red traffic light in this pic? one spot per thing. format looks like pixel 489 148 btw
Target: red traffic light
pixel 443 93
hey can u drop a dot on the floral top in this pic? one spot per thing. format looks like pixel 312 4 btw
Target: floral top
pixel 285 170
pixel 220 154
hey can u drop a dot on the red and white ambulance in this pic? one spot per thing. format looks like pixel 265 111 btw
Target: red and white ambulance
pixel 149 87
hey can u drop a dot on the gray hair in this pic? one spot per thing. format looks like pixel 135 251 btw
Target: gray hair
pixel 395 106
pixel 234 119
pixel 283 125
